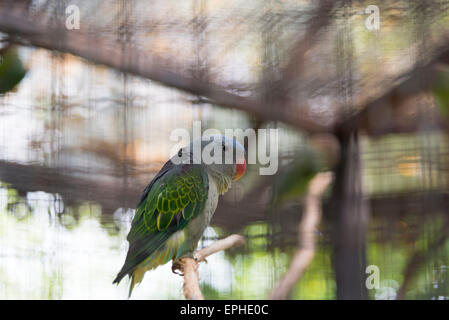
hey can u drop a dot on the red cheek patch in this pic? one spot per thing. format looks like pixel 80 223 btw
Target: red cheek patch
pixel 240 170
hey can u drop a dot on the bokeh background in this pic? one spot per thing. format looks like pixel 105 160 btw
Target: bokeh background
pixel 86 116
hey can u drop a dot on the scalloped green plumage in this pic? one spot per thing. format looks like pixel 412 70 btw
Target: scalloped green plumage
pixel 164 220
pixel 189 211
pixel 150 223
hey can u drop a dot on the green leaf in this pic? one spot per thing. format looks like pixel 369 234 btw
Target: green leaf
pixel 296 177
pixel 441 90
pixel 11 70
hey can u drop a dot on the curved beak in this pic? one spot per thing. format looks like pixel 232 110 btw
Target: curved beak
pixel 240 169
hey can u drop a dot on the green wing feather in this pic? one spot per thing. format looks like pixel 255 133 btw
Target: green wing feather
pixel 175 196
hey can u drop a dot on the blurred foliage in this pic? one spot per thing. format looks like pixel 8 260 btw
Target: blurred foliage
pixel 209 292
pixel 60 260
pixel 441 90
pixel 12 70
pixel 296 176
pixel 316 284
pixel 400 163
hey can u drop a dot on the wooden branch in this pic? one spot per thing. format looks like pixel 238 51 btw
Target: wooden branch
pixel 76 186
pixel 33 30
pixel 232 241
pixel 306 235
pixel 27 30
pixel 318 21
pixel 192 289
pixel 189 266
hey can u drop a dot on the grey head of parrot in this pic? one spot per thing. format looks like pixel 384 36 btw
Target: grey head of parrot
pixel 222 156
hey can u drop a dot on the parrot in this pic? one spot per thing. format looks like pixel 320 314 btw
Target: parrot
pixel 177 205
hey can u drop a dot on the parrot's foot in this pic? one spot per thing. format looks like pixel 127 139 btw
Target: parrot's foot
pixel 198 257
pixel 204 259
pixel 178 267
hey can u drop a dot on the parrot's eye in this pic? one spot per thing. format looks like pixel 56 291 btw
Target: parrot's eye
pixel 180 153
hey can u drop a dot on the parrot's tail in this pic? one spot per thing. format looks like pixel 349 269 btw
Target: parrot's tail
pixel 159 257
pixel 118 278
pixel 131 286
pixel 136 278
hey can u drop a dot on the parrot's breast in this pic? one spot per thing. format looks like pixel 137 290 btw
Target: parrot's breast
pixel 195 228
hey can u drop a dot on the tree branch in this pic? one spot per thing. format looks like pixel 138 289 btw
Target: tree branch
pixel 232 241
pixel 128 58
pixel 306 251
pixel 319 20
pixel 189 266
pixel 192 290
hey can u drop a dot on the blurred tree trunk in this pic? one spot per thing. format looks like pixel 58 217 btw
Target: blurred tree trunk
pixel 349 221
